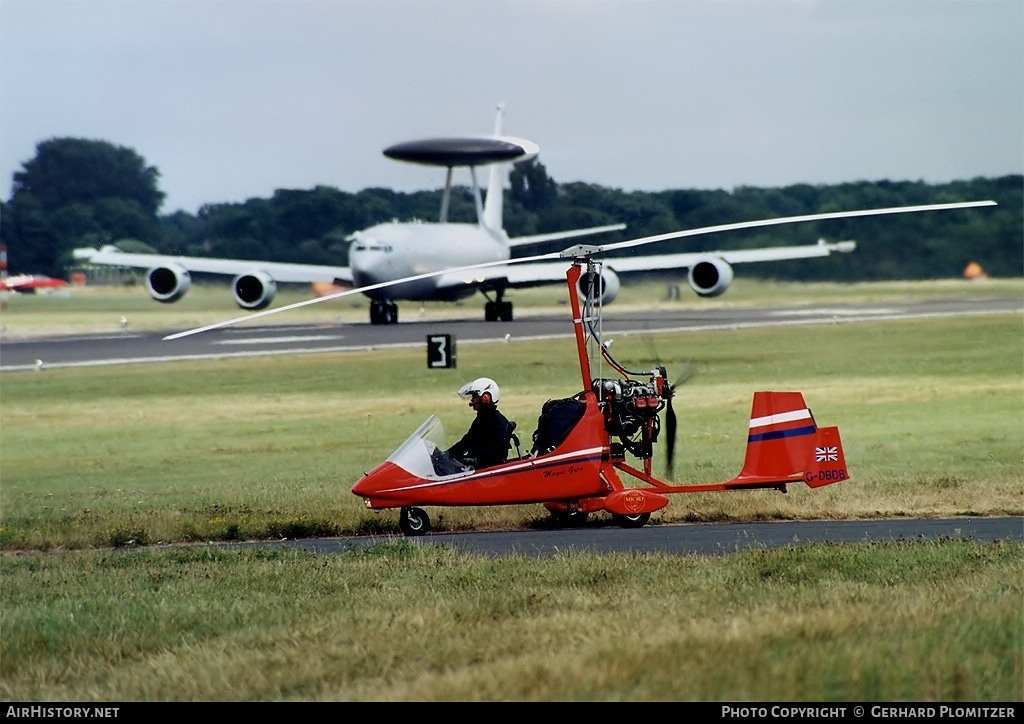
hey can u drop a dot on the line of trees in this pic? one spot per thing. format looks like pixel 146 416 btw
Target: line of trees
pixel 79 192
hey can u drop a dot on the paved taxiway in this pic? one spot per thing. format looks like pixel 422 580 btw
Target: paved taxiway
pixel 138 347
pixel 691 539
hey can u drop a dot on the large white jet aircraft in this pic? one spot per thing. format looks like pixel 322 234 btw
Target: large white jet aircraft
pixel 407 260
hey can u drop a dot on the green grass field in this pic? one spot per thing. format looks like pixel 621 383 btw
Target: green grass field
pixel 931 415
pixel 910 622
pixel 259 448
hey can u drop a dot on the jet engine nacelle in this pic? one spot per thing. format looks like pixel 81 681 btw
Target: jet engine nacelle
pixel 254 290
pixel 710 277
pixel 168 283
pixel 608 285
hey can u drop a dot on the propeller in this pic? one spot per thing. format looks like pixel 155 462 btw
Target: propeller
pixel 587 250
pixel 668 393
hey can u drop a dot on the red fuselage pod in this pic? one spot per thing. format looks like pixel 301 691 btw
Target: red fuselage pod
pixel 571 471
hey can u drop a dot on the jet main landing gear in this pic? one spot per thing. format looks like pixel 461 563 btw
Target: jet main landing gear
pixel 499 311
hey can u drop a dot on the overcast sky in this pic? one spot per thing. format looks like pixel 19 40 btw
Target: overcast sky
pixel 232 99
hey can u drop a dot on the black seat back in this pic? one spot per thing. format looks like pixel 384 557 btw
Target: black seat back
pixel 556 421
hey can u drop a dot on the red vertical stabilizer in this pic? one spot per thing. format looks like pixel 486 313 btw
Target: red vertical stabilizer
pixel 785 445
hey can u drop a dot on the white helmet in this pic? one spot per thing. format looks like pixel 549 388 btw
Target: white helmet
pixel 479 386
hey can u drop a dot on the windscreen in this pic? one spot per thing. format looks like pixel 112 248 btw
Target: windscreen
pixel 415 453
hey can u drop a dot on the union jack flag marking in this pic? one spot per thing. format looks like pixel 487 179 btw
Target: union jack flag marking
pixel 826 454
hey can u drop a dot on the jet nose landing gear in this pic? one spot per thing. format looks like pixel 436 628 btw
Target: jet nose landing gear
pixel 383 312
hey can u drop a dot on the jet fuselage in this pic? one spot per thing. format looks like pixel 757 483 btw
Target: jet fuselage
pixel 399 250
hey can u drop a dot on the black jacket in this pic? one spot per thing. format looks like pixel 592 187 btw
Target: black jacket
pixel 486 442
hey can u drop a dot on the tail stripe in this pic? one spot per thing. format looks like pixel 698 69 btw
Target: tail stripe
pixel 780 418
pixel 780 434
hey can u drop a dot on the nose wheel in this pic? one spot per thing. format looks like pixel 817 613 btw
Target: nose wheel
pixel 383 312
pixel 414 521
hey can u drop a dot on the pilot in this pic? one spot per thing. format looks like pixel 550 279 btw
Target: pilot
pixel 487 440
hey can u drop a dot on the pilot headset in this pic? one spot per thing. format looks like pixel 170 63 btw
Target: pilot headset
pixel 485 387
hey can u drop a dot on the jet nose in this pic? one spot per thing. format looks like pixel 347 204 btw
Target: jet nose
pixel 369 261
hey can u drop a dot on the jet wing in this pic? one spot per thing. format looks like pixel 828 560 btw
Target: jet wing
pixel 685 260
pixel 539 273
pixel 278 271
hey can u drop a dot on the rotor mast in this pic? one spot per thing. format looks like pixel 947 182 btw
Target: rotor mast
pixel 572 277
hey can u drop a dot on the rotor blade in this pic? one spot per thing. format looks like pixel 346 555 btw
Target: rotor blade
pixel 588 250
pixel 787 220
pixel 358 290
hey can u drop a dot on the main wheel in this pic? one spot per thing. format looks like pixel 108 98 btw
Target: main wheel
pixel 637 520
pixel 572 518
pixel 414 521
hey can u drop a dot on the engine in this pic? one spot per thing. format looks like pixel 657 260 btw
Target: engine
pixel 607 285
pixel 710 277
pixel 254 290
pixel 168 283
pixel 631 412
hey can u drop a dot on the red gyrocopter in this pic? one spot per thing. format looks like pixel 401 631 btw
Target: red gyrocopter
pixel 584 444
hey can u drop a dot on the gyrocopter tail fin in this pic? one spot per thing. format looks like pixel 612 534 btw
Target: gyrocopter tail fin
pixel 785 445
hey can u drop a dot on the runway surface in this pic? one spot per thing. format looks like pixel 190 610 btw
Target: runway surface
pixel 134 348
pixel 691 539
